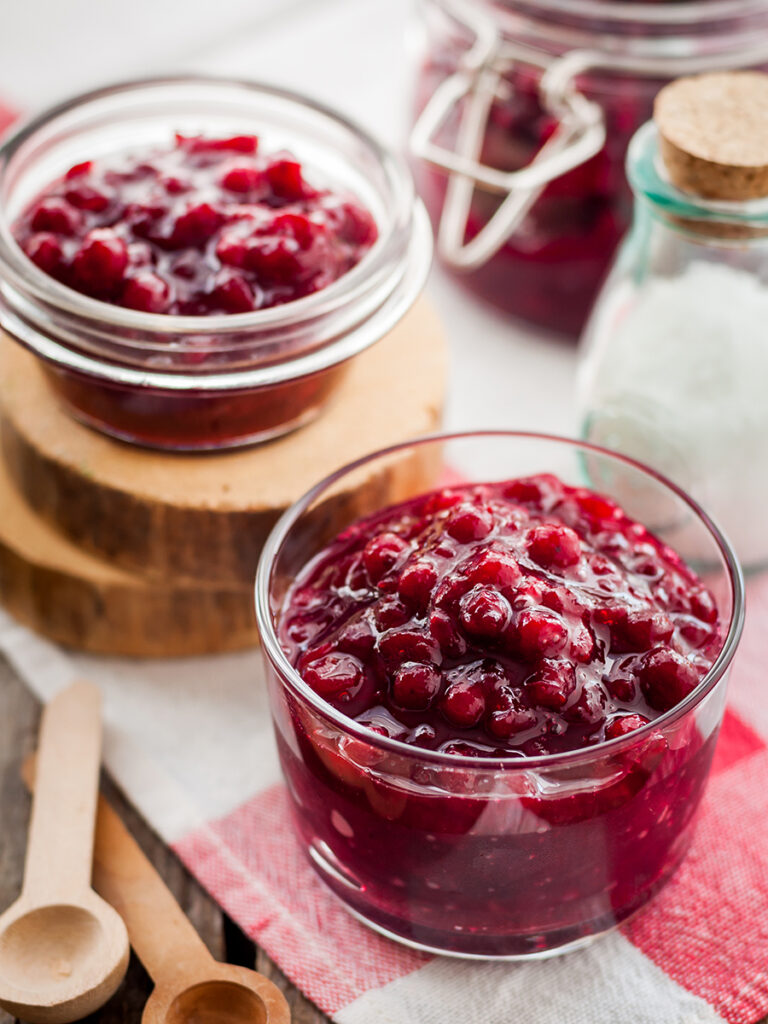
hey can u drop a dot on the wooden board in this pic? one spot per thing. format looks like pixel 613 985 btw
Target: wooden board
pixel 205 517
pixel 81 601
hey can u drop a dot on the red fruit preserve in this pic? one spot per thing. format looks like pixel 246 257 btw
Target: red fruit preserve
pixel 199 227
pixel 514 620
pixel 523 70
pixel 196 261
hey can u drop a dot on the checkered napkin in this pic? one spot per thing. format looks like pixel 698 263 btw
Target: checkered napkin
pixel 190 742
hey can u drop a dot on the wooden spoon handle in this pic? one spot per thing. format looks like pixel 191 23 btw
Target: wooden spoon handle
pixel 60 848
pixel 160 933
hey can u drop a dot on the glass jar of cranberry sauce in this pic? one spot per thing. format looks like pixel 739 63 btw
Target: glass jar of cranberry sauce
pixel 198 373
pixel 525 109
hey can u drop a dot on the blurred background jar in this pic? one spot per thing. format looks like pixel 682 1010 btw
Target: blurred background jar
pixel 524 110
pixel 675 359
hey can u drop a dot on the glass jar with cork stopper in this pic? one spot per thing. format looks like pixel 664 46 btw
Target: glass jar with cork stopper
pixel 675 356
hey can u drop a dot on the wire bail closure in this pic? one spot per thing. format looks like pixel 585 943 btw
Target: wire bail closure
pixel 579 134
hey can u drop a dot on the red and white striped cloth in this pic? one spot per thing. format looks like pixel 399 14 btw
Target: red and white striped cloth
pixel 190 742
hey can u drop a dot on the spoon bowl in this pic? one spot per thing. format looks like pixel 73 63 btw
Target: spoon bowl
pixel 60 961
pixel 220 994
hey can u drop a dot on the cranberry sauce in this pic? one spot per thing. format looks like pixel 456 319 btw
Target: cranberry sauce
pixel 525 617
pixel 549 271
pixel 200 227
pixel 512 620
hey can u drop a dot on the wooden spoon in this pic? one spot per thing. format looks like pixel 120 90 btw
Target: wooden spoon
pixel 63 950
pixel 190 986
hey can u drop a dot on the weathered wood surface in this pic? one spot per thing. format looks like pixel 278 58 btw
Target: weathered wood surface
pixel 19 719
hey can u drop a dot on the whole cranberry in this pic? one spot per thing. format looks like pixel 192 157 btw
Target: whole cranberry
pixel 509 716
pixel 553 545
pixel 484 612
pixel 551 684
pixel 467 523
pixel 540 633
pixel 443 628
pixel 623 724
pixel 417 581
pixel 45 250
pixel 56 215
pixel 333 674
pixel 666 678
pixel 381 553
pixel 415 686
pixel 463 703
pixel 100 262
pixel 147 292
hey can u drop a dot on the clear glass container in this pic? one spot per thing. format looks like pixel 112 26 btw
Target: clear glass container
pixel 524 110
pixel 197 382
pixel 674 360
pixel 485 857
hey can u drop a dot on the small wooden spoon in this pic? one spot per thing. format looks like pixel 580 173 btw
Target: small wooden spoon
pixel 63 950
pixel 190 986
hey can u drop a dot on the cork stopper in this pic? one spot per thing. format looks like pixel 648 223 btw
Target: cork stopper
pixel 714 134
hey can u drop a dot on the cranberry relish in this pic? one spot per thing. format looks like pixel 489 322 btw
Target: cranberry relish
pixel 526 617
pixel 200 227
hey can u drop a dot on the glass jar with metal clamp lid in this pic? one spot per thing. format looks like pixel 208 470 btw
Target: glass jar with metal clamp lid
pixel 524 110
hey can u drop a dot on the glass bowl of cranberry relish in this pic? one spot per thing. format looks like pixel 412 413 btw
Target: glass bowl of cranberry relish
pixel 496 701
pixel 196 260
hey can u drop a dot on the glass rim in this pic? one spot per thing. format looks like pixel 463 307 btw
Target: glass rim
pixel 290 678
pixel 647 176
pixel 18 269
pixel 682 12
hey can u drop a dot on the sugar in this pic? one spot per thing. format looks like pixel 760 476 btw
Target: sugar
pixel 678 378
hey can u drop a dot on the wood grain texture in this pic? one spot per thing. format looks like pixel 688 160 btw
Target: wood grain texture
pixel 80 601
pixel 205 517
pixel 19 720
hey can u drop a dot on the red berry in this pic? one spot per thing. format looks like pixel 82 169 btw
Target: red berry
pixel 146 292
pixel 196 225
pixel 285 179
pixel 381 553
pixel 666 678
pixel 623 724
pixel 551 684
pixel 233 292
pixel 85 197
pixel 553 545
pixel 44 249
pixel 463 703
pixel 484 612
pixel 244 179
pixel 499 568
pixel 540 633
pixel 467 523
pixel 509 716
pixel 401 645
pixel 100 262
pixel 444 630
pixel 417 581
pixel 55 215
pixel 415 686
pixel 333 674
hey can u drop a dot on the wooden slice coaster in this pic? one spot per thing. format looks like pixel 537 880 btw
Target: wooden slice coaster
pixel 80 601
pixel 205 517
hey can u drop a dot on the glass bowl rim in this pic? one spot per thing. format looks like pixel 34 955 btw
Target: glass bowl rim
pixel 95 310
pixel 290 678
pixel 682 12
